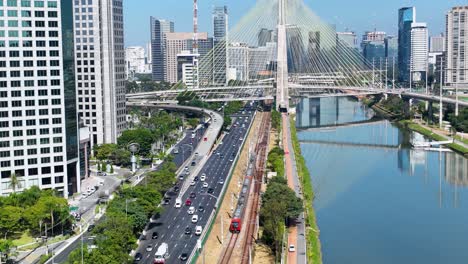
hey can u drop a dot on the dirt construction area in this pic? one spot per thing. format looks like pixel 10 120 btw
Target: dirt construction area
pixel 220 232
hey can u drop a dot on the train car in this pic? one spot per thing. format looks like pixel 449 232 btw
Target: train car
pixel 236 221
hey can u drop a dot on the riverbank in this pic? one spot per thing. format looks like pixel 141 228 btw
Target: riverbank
pixel 408 124
pixel 314 253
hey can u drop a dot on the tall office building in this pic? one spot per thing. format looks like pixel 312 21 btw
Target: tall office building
pixel 238 67
pixel 38 120
pixel 406 17
pixel 186 71
pixel 159 28
pixel 220 27
pixel 100 68
pixel 374 36
pixel 456 42
pixel 419 51
pixel 347 39
pixel 264 36
pixel 374 51
pixel 391 48
pixel 135 61
pixel 178 42
pixel 437 43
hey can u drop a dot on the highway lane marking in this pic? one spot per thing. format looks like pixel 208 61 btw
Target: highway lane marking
pixel 169 226
pixel 185 246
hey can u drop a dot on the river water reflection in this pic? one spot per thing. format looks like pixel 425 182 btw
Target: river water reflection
pixel 377 200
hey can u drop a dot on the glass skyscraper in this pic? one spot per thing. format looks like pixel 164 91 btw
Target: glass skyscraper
pixel 159 28
pixel 406 16
pixel 220 27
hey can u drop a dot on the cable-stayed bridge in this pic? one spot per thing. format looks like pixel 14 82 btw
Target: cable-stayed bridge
pixel 282 49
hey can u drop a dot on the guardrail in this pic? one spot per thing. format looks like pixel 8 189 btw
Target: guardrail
pixel 206 231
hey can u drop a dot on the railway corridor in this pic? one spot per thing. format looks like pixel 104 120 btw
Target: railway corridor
pixel 296 234
pixel 238 250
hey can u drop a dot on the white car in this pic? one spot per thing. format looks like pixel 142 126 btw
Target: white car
pixel 191 210
pixel 221 182
pixel 205 185
pixel 292 248
pixel 193 183
pixel 194 218
pixel 203 177
pixel 198 230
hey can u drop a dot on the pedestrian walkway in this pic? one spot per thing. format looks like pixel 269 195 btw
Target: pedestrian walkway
pixel 444 134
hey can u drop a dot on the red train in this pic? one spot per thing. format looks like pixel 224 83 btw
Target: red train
pixel 236 221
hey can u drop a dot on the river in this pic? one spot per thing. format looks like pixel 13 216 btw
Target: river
pixel 377 200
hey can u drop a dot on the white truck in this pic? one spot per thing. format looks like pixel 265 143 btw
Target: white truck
pixel 161 254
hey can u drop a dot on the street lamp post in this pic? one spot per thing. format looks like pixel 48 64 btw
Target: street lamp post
pixel 133 148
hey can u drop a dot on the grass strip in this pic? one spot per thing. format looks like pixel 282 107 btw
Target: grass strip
pixel 314 253
pixel 428 133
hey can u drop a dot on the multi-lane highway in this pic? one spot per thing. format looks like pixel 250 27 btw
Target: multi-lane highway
pixel 183 154
pixel 174 224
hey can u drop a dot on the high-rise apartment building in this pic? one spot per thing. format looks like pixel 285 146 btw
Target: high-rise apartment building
pixel 406 17
pixel 419 52
pixel 100 68
pixel 456 42
pixel 38 119
pixel 264 36
pixel 437 43
pixel 220 26
pixel 178 42
pixel 159 28
pixel 374 36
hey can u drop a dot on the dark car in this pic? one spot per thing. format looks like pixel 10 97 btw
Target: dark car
pixel 176 189
pixel 167 201
pixel 138 256
pixel 91 228
pixel 154 235
pixel 196 178
pixel 210 191
pixel 188 230
pixel 201 208
pixel 183 256
pixel 193 195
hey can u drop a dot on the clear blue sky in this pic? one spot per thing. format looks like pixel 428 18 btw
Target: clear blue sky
pixel 356 15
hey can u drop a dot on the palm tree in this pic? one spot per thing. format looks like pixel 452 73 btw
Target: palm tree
pixel 15 183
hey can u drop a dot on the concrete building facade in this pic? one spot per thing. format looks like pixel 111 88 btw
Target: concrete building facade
pixel 100 68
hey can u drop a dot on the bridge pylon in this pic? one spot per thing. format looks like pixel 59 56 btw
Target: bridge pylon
pixel 282 92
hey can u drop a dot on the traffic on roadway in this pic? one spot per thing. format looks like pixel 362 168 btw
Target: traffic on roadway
pixel 175 231
pixel 183 154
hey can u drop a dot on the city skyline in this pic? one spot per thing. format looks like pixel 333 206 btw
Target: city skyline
pixel 367 19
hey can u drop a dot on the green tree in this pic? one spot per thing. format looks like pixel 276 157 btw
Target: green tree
pixel 105 151
pixel 6 247
pixel 193 122
pixel 14 182
pixel 279 205
pixel 10 220
pixel 275 119
pixel 142 136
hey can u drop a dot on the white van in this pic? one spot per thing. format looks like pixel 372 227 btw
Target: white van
pixel 178 203
pixel 198 230
pixel 161 254
pixel 194 218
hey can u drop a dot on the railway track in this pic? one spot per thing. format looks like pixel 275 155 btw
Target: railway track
pixel 261 150
pixel 226 257
pixel 250 216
